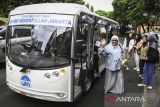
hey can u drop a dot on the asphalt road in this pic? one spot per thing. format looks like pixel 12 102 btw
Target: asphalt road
pixel 8 98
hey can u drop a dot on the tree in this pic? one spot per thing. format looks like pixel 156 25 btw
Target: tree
pixel 120 12
pixel 152 12
pixel 136 12
pixel 105 14
pixel 72 1
pixel 4 5
pixel 91 8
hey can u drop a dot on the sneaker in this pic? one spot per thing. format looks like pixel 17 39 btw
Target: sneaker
pixel 135 68
pixel 127 68
pixel 150 87
pixel 141 76
pixel 141 85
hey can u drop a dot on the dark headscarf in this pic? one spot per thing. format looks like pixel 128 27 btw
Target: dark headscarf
pixel 153 53
pixel 128 40
pixel 153 41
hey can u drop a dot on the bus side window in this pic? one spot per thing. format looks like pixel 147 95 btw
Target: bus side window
pixel 81 41
pixel 9 32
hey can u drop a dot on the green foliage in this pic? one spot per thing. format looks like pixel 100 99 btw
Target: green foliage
pixel 91 8
pixel 104 13
pixel 72 1
pixel 4 8
pixel 136 12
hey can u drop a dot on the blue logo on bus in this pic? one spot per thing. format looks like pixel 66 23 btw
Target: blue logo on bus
pixel 25 81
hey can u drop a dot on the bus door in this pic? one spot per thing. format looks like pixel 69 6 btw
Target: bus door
pixel 83 57
pixel 100 24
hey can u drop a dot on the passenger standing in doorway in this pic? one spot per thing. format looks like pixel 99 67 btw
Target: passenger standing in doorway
pixel 152 59
pixel 127 46
pixel 114 81
pixel 101 37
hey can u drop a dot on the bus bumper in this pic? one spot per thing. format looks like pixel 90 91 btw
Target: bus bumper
pixel 54 96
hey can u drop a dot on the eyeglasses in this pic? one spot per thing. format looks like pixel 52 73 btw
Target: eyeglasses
pixel 115 40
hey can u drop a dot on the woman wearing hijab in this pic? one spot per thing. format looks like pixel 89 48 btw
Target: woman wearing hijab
pixel 152 59
pixel 114 81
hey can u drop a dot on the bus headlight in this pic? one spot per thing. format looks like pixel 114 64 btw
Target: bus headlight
pixel 47 75
pixel 55 74
pixel 63 72
pixel 60 73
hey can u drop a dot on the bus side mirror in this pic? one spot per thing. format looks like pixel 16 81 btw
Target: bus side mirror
pixel 87 19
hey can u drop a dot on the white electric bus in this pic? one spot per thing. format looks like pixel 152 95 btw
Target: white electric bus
pixel 55 63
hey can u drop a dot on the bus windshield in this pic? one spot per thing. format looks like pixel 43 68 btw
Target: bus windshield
pixel 28 42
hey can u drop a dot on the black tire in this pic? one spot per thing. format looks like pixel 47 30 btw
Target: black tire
pixel 87 81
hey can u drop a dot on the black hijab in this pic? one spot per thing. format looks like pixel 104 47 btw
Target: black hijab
pixel 128 39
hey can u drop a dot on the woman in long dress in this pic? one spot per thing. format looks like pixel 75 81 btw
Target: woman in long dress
pixel 114 81
pixel 128 46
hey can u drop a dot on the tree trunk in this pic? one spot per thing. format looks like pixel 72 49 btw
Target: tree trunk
pixel 152 26
pixel 148 25
pixel 143 28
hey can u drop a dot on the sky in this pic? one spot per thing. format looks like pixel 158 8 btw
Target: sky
pixel 105 5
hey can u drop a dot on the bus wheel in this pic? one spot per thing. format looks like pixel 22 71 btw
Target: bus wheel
pixel 87 81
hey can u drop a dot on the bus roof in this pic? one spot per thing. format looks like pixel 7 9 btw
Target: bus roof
pixel 113 21
pixel 59 8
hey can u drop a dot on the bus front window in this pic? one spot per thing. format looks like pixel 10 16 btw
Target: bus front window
pixel 27 43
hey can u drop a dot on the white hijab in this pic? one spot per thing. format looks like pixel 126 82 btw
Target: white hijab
pixel 110 45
